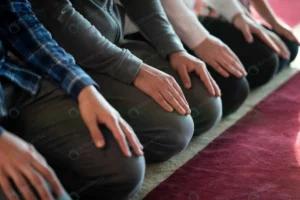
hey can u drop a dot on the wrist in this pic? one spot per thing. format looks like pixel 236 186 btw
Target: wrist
pixel 175 54
pixel 86 92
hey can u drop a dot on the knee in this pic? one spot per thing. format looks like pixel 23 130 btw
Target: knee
pixel 206 115
pixel 234 94
pixel 293 48
pixel 174 135
pixel 264 70
pixel 206 109
pixel 124 175
pixel 98 173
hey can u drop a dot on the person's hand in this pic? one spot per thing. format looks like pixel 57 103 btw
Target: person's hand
pixel 284 51
pixel 220 57
pixel 95 110
pixel 20 161
pixel 183 63
pixel 286 31
pixel 163 88
pixel 248 27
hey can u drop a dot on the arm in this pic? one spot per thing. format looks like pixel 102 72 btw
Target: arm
pixel 264 9
pixel 185 23
pixel 26 37
pixel 205 46
pixel 148 14
pixel 74 33
pixel 227 8
pixel 23 34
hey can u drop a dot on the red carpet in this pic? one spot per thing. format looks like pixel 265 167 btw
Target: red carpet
pixel 256 159
pixel 288 10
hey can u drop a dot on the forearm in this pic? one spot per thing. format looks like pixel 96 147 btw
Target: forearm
pixel 152 21
pixel 24 35
pixel 185 23
pixel 227 8
pixel 88 46
pixel 265 10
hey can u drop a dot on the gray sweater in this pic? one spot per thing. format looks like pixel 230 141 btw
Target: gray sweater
pixel 92 30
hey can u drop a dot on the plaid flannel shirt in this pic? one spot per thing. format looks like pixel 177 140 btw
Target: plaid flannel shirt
pixel 22 34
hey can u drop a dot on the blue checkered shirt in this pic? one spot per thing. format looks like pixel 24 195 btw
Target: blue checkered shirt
pixel 22 34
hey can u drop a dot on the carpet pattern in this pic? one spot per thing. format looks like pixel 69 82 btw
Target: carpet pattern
pixel 256 159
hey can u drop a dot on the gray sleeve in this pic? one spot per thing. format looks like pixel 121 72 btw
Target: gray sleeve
pixel 153 23
pixel 81 39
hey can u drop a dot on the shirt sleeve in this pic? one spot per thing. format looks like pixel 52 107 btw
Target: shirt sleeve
pixel 185 23
pixel 151 19
pixel 227 8
pixel 26 37
pixel 91 49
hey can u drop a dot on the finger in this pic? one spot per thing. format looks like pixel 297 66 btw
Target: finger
pixel 228 66
pixel 247 34
pixel 168 96
pixel 162 102
pixel 7 188
pixel 185 78
pixel 215 85
pixel 230 54
pixel 37 182
pixel 119 136
pixel 49 176
pixel 133 140
pixel 219 69
pixel 284 51
pixel 179 96
pixel 20 182
pixel 93 126
pixel 203 74
pixel 231 61
pixel 267 40
pixel 179 90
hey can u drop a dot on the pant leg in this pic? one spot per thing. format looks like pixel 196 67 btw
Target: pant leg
pixel 14 97
pixel 52 123
pixel 206 110
pixel 259 60
pixel 234 90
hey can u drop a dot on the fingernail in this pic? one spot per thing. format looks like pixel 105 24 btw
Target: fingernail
pixel 99 143
pixel 129 154
pixel 187 85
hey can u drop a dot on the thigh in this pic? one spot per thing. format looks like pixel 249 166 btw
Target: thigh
pixel 52 123
pixel 259 60
pixel 206 110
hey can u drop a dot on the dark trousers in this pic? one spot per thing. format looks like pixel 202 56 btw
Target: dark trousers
pixel 259 60
pixel 51 122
